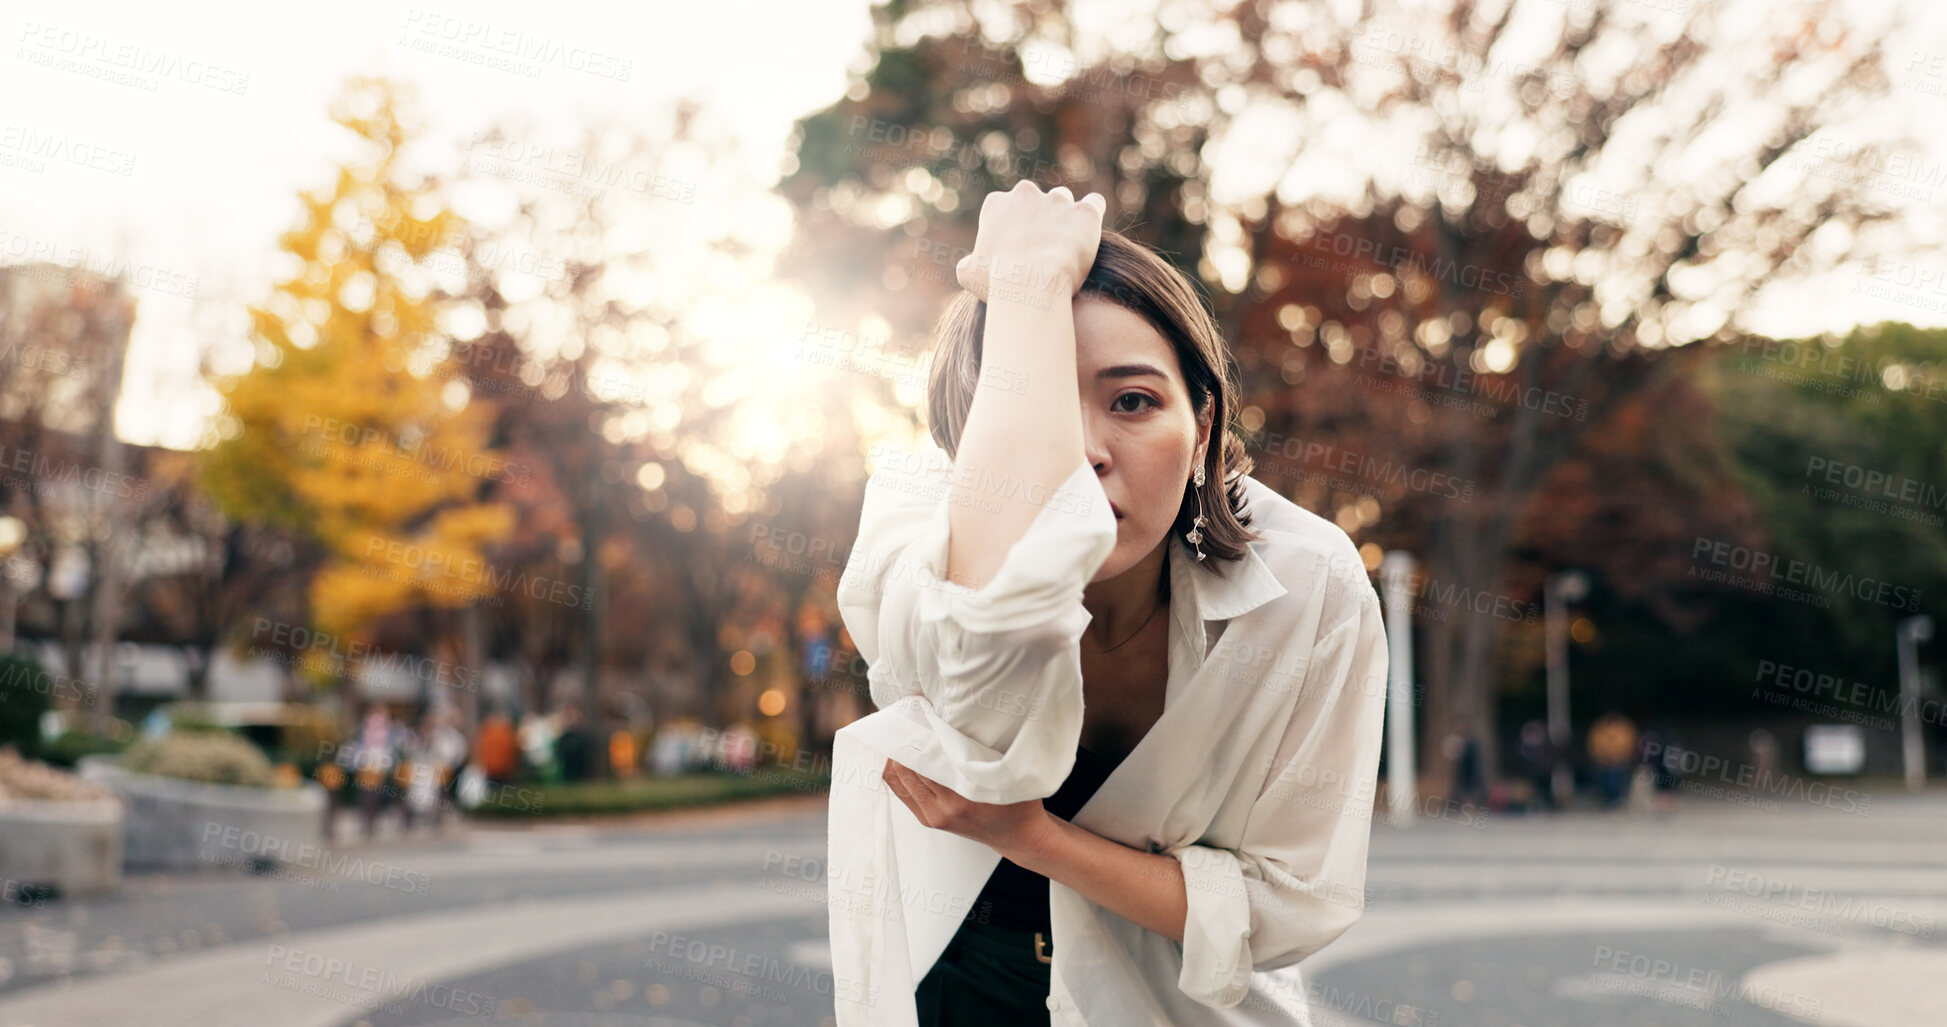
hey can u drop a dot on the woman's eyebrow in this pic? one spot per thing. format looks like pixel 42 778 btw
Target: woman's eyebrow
pixel 1129 371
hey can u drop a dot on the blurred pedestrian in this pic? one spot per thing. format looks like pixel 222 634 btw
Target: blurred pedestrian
pixel 573 748
pixel 622 753
pixel 376 752
pixel 439 750
pixel 1764 754
pixel 673 749
pixel 497 749
pixel 537 734
pixel 1464 752
pixel 1537 755
pixel 1612 754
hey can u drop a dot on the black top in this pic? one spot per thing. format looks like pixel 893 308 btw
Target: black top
pixel 1016 897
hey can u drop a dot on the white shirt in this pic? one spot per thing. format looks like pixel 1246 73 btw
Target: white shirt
pixel 1258 777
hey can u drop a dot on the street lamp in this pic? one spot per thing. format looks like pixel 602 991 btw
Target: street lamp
pixel 1557 591
pixel 1402 787
pixel 1907 637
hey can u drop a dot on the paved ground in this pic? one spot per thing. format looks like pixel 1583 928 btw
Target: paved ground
pixel 1716 913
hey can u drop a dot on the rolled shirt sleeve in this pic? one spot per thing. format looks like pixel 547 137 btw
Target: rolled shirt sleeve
pixel 979 690
pixel 993 673
pixel 1297 880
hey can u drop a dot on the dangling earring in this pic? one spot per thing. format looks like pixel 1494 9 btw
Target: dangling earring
pixel 1195 534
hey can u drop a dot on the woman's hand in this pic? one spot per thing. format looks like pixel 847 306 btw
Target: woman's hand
pixel 1032 245
pixel 1006 828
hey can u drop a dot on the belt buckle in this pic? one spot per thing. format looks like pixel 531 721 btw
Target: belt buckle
pixel 1039 944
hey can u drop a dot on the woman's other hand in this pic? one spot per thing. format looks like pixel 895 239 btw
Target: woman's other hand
pixel 1008 829
pixel 1032 245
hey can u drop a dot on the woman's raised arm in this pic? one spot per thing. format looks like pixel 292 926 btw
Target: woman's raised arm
pixel 1032 251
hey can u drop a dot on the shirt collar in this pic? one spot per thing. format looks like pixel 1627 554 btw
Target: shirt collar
pixel 1241 587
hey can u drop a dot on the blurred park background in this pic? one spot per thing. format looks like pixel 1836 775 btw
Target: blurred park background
pixel 466 412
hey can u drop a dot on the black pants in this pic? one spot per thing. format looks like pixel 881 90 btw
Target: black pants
pixel 987 975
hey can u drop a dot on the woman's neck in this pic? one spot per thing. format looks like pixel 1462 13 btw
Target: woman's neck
pixel 1120 606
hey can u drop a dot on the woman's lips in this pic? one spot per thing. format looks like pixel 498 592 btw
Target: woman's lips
pixel 1115 510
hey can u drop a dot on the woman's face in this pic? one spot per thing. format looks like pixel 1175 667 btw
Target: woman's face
pixel 1138 430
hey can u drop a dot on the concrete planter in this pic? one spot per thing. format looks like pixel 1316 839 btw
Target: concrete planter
pixel 75 846
pixel 175 824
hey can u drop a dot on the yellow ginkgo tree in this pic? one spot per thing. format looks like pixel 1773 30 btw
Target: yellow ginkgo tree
pixel 349 427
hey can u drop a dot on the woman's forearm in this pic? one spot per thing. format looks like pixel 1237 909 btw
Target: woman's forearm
pixel 1144 888
pixel 1018 444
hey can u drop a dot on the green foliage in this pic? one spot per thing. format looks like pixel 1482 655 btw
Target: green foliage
pixel 213 757
pixel 23 698
pixel 600 798
pixel 1839 442
pixel 68 747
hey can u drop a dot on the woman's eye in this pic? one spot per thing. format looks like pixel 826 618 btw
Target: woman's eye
pixel 1137 396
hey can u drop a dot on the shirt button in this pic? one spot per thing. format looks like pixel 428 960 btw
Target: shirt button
pixel 1054 1004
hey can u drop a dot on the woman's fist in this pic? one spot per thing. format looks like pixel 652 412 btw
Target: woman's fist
pixel 1032 245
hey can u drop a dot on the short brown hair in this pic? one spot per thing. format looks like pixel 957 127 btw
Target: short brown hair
pixel 1138 279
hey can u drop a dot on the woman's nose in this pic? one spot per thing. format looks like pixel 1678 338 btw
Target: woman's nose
pixel 1096 454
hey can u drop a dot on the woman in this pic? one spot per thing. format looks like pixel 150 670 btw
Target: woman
pixel 1129 699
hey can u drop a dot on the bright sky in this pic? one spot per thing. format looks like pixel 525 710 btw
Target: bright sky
pixel 187 177
pixel 190 184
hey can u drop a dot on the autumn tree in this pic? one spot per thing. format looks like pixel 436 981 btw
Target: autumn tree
pixel 1460 239
pixel 344 428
